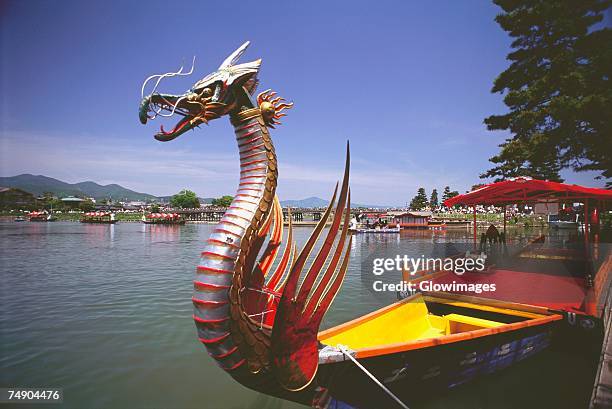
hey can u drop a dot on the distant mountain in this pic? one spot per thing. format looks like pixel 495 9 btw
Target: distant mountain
pixel 38 184
pixel 308 202
pixel 313 201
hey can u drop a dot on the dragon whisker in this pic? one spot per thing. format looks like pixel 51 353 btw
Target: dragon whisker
pixel 159 76
pixel 166 75
pixel 173 108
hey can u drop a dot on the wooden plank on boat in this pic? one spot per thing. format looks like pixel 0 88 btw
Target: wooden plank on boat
pixel 602 286
pixel 602 390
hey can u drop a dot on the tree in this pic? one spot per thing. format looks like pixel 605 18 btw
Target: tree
pixel 155 208
pixel 13 199
pixel 223 201
pixel 477 186
pixel 87 205
pixel 50 202
pixel 185 199
pixel 55 204
pixel 419 201
pixel 557 89
pixel 447 194
pixel 433 200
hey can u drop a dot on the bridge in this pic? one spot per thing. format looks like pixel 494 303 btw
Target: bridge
pixel 305 216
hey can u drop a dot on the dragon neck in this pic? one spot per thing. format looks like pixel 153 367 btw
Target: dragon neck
pixel 218 275
pixel 258 169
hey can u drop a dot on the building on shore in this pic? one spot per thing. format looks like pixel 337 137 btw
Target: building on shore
pixel 374 218
pixel 413 219
pixel 72 202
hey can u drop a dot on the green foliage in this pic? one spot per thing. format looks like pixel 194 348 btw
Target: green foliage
pixel 155 208
pixel 55 204
pixel 87 206
pixel 557 89
pixel 15 199
pixel 223 201
pixel 477 186
pixel 606 220
pixel 433 200
pixel 185 199
pixel 447 194
pixel 419 201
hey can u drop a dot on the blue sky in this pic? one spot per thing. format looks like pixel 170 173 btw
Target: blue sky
pixel 408 83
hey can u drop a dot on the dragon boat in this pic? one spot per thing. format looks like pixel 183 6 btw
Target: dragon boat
pixel 163 218
pixel 258 316
pixel 41 217
pixel 98 217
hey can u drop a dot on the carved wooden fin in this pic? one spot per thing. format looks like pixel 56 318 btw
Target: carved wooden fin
pixel 294 334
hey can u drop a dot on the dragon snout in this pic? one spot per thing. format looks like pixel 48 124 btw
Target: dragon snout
pixel 143 109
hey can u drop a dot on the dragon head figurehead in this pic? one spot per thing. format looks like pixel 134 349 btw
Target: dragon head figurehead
pixel 259 323
pixel 222 92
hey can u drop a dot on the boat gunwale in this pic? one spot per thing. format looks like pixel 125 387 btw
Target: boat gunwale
pixel 533 319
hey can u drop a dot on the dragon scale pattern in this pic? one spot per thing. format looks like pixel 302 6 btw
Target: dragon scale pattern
pixel 219 276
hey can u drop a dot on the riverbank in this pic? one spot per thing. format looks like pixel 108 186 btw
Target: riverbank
pixel 520 220
pixel 74 217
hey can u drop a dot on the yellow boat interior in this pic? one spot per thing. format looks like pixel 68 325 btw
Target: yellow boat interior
pixel 425 320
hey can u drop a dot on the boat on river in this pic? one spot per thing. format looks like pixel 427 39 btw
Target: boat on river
pixel 360 228
pixel 99 218
pixel 438 340
pixel 379 230
pixel 163 218
pixel 38 217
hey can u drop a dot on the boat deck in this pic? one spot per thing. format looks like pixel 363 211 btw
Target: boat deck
pixel 411 321
pixel 542 277
pixel 557 292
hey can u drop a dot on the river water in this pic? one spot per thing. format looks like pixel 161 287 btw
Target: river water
pixel 104 312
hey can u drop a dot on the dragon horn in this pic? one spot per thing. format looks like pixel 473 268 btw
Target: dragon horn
pixel 233 57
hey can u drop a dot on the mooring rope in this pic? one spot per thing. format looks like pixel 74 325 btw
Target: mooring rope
pixel 379 383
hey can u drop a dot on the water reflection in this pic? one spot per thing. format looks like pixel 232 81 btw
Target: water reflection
pixel 163 232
